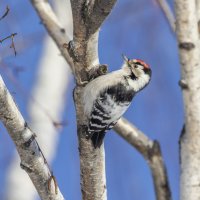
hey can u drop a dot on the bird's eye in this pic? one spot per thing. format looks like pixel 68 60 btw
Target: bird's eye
pixel 136 66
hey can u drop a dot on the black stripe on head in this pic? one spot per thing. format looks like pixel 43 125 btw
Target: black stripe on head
pixel 132 76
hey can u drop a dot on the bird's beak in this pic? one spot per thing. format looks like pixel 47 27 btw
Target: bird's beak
pixel 125 58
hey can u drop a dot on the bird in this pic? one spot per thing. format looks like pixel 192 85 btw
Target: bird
pixel 107 97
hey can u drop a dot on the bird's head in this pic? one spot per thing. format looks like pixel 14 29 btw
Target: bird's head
pixel 138 71
pixel 137 67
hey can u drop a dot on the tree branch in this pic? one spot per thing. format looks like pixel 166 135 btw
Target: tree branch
pixel 151 152
pixel 12 41
pixel 168 13
pixel 84 50
pixel 89 15
pixel 44 111
pixel 55 30
pixel 32 158
pixel 188 42
pixel 87 19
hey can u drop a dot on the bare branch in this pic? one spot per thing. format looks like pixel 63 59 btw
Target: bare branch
pixel 8 37
pixel 98 12
pixel 32 158
pixel 90 15
pixel 168 13
pixel 12 43
pixel 51 23
pixel 87 19
pixel 44 112
pixel 188 42
pixel 151 152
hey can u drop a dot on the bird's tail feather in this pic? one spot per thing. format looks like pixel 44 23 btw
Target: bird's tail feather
pixel 97 139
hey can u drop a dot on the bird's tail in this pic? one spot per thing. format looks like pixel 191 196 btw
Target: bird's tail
pixel 97 139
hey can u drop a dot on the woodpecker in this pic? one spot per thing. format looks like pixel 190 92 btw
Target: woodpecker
pixel 106 98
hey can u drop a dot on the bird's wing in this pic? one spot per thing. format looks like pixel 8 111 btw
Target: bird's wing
pixel 108 108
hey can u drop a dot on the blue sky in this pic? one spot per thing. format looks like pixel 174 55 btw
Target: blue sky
pixel 137 29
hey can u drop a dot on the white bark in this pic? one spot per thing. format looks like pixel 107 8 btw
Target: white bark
pixel 187 34
pixel 87 19
pixel 32 159
pixel 45 107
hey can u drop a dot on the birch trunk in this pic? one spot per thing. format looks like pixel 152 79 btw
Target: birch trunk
pixel 187 34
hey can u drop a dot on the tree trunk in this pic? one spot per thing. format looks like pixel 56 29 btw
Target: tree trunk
pixel 187 33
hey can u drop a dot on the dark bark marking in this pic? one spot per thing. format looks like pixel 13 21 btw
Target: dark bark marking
pixel 187 46
pixel 182 135
pixel 28 143
pixel 62 30
pixel 26 168
pixel 183 84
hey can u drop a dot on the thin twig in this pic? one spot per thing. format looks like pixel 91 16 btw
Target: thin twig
pixel 8 37
pixel 55 30
pixel 6 13
pixel 168 13
pixel 12 43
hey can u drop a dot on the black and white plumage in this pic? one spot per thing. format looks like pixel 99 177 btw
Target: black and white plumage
pixel 107 97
